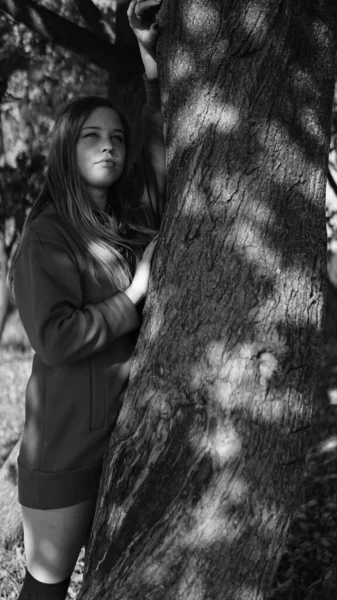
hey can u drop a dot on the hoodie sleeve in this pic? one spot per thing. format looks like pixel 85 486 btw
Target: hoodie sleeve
pixel 153 156
pixel 49 299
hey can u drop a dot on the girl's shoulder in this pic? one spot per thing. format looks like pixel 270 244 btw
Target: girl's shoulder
pixel 46 240
pixel 50 233
pixel 46 227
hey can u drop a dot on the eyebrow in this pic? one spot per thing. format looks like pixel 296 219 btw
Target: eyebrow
pixel 95 127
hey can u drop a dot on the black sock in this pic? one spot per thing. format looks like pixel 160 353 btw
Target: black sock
pixel 36 590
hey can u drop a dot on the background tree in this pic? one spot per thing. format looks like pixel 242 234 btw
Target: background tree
pixel 11 58
pixel 31 95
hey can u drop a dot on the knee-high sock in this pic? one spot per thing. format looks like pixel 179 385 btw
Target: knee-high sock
pixel 36 590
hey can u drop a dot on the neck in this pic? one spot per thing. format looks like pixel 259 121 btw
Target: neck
pixel 99 198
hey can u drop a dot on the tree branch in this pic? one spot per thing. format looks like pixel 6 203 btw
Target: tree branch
pixel 61 31
pixel 95 20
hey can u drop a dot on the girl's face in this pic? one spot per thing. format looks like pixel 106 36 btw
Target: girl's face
pixel 101 152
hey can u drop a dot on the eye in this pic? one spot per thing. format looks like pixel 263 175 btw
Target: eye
pixel 119 137
pixel 91 134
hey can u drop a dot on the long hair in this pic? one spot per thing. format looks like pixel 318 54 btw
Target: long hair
pixel 113 240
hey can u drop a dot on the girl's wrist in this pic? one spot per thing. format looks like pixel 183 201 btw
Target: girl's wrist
pixel 133 295
pixel 148 56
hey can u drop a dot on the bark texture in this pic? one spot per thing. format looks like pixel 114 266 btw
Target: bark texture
pixel 203 470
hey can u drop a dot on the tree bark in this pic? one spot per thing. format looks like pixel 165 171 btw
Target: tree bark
pixel 204 467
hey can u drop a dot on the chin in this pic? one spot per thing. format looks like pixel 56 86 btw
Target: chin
pixel 106 184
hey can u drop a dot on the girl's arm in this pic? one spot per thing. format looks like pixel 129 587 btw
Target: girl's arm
pixel 48 294
pixel 149 62
pixel 145 32
pixel 153 141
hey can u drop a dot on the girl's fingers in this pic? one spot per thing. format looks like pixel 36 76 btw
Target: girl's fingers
pixel 149 250
pixel 131 8
pixel 143 5
pixel 152 244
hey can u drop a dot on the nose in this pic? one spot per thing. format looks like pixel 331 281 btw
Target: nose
pixel 107 146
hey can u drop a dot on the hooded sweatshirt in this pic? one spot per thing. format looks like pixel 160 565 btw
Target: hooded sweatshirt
pixel 83 333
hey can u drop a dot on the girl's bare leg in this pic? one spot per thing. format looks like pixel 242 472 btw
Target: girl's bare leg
pixel 53 539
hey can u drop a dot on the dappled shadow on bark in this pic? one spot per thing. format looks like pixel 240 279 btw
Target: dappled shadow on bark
pixel 207 530
pixel 286 118
pixel 235 483
pixel 210 426
pixel 201 506
pixel 289 91
pixel 222 511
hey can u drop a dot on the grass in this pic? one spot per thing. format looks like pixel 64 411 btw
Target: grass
pixel 12 572
pixel 15 365
pixel 14 373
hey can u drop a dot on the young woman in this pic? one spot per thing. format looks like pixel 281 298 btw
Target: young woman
pixel 78 278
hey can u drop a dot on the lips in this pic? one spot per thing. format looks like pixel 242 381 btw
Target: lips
pixel 108 163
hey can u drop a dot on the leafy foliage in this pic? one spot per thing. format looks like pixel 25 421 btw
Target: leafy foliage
pixel 38 79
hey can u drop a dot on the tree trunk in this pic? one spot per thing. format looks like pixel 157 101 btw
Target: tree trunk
pixel 203 469
pixel 10 514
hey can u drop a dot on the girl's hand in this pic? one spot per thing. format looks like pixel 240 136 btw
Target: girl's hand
pixel 138 288
pixel 139 14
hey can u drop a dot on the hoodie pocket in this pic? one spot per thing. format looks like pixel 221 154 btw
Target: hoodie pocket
pixel 98 395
